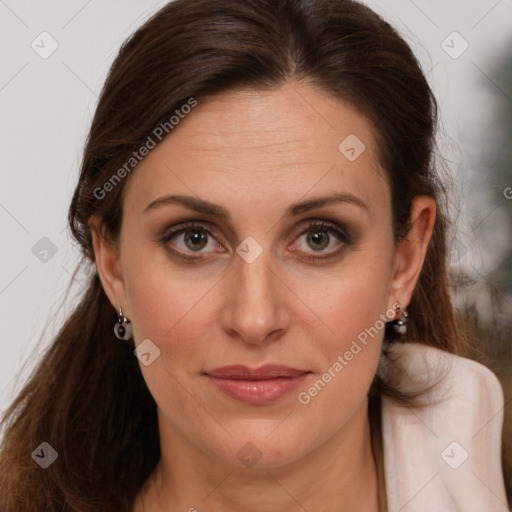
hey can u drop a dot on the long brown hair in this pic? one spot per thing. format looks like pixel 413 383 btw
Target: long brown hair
pixel 87 397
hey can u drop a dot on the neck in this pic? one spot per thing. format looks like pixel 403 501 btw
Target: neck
pixel 340 474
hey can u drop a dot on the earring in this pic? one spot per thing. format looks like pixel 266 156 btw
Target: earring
pixel 122 327
pixel 400 326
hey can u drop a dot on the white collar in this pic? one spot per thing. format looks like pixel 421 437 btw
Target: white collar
pixel 445 456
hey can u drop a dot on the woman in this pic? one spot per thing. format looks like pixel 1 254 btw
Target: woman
pixel 264 223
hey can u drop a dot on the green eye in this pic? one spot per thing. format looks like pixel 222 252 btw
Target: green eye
pixel 318 240
pixel 194 237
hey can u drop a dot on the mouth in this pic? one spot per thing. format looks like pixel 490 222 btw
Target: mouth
pixel 258 386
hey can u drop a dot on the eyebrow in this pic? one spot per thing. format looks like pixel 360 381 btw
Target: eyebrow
pixel 206 207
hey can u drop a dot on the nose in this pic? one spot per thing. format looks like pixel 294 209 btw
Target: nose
pixel 255 309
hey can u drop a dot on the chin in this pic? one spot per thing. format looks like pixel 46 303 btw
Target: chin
pixel 264 444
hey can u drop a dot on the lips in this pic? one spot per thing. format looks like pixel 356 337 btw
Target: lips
pixel 269 371
pixel 257 386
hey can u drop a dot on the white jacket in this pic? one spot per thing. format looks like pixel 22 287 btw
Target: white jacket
pixel 445 456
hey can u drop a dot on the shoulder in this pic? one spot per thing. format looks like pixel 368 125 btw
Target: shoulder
pixel 445 453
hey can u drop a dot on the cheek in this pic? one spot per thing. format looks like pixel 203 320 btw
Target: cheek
pixel 355 311
pixel 160 294
pixel 165 308
pixel 169 309
pixel 356 318
pixel 353 302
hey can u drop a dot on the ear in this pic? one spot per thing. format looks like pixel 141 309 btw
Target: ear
pixel 107 257
pixel 412 250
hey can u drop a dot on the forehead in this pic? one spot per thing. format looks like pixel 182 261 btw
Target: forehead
pixel 269 146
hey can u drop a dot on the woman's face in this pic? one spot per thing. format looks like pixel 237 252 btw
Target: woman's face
pixel 256 281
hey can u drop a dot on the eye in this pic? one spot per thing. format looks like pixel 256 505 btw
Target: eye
pixel 318 236
pixel 191 237
pixel 196 238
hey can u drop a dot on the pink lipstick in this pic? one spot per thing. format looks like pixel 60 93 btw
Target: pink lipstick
pixel 258 386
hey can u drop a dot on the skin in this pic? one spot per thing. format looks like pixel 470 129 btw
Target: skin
pixel 256 152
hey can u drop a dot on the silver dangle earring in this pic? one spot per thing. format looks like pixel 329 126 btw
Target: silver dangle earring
pixel 122 327
pixel 401 323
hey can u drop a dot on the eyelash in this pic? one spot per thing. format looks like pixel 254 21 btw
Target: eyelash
pixel 323 225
